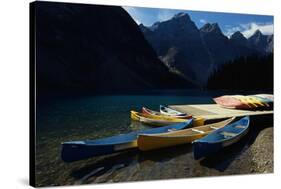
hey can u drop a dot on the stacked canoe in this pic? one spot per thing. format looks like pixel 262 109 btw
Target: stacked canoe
pixel 258 101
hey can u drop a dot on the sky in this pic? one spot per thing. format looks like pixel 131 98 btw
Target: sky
pixel 229 23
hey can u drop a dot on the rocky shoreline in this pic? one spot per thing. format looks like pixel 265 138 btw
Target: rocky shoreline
pixel 261 152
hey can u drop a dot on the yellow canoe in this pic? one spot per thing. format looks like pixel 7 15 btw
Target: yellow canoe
pixel 251 100
pixel 155 141
pixel 162 120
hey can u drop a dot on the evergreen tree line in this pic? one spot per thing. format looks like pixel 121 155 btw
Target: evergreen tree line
pixel 244 73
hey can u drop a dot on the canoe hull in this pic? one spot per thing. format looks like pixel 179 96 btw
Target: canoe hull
pixel 198 121
pixel 73 152
pixel 134 116
pixel 208 149
pixel 146 143
pixel 221 138
pixel 157 122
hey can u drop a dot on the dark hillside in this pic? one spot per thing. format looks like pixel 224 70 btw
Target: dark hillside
pixel 93 47
pixel 245 73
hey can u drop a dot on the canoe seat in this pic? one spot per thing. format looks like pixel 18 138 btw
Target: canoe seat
pixel 240 126
pixel 198 131
pixel 215 128
pixel 170 130
pixel 228 134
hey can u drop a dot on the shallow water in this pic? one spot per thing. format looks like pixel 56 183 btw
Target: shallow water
pixel 90 117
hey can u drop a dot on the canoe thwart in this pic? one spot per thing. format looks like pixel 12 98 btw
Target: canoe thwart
pixel 198 131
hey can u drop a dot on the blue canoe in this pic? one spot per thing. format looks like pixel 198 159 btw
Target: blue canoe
pixel 78 150
pixel 221 138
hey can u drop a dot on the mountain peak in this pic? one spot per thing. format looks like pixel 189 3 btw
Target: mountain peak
pixel 206 26
pixel 257 32
pixel 213 28
pixel 237 35
pixel 260 42
pixel 180 22
pixel 181 15
pixel 143 28
pixel 257 35
pixel 239 39
pixel 216 25
pixel 154 26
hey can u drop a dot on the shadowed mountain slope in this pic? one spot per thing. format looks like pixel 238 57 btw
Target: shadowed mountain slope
pixel 95 47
